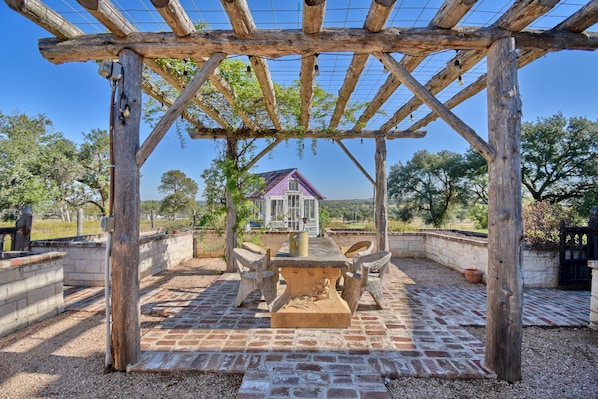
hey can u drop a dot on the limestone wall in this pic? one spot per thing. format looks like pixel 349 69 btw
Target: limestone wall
pixel 539 268
pixel 84 263
pixel 30 290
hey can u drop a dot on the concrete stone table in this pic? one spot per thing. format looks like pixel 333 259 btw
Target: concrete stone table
pixel 310 299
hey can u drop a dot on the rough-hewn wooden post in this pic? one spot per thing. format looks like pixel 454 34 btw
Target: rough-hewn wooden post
pixel 231 211
pixel 505 228
pixel 22 237
pixel 381 210
pixel 125 335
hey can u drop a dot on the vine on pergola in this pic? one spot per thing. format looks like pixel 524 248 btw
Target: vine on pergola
pixel 231 170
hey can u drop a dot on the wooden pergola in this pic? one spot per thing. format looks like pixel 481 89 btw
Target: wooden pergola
pixel 505 44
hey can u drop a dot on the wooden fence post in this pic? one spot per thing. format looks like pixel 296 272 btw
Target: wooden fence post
pixel 22 236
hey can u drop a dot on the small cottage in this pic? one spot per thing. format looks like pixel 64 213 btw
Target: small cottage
pixel 289 202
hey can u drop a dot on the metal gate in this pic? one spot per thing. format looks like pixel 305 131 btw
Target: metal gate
pixel 577 246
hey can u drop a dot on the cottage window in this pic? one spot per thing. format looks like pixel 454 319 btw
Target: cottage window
pixel 309 209
pixel 258 209
pixel 293 185
pixel 276 209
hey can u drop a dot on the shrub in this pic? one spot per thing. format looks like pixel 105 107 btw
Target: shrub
pixel 541 223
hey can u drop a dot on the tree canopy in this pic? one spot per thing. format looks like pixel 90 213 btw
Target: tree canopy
pixel 180 192
pixel 560 160
pixel 559 164
pixel 427 185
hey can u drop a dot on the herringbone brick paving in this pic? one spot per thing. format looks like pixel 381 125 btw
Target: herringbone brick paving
pixel 420 333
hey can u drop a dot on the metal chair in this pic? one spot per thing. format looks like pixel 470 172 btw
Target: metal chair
pixel 253 269
pixel 371 270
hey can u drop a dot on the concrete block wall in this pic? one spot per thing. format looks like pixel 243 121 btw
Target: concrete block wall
pixel 30 290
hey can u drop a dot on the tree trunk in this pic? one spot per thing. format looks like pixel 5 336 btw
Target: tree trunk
pixel 231 214
pixel 505 230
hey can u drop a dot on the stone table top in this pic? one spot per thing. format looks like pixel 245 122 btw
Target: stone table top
pixel 322 252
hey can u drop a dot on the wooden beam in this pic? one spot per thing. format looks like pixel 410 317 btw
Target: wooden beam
pixel 428 98
pixel 243 25
pixel 166 74
pixel 181 25
pixel 177 107
pixel 374 22
pixel 240 16
pixel 505 227
pixel 125 335
pixel 355 161
pixel 152 90
pixel 45 17
pixel 262 74
pixel 313 15
pixel 578 22
pixel 446 17
pixel 450 13
pixel 175 16
pixel 110 17
pixel 381 195
pixel 306 91
pixel 265 151
pixel 273 43
pixel 105 12
pixel 378 14
pixel 517 17
pixel 313 19
pixel 301 134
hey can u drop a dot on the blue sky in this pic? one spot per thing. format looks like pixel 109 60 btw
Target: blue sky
pixel 76 99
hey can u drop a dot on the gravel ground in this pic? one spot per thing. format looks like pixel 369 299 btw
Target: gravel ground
pixel 63 357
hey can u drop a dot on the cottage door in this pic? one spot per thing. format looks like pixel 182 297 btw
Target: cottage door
pixel 294 211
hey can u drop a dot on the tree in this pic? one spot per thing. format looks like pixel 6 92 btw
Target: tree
pixel 94 159
pixel 474 195
pixel 180 192
pixel 231 173
pixel 25 151
pixel 560 160
pixel 427 184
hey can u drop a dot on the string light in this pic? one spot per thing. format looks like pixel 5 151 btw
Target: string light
pixel 316 66
pixel 411 117
pixel 458 66
pixel 248 71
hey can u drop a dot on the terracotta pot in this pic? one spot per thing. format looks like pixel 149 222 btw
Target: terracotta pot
pixel 473 275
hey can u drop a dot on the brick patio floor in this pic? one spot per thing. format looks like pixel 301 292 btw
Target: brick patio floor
pixel 420 333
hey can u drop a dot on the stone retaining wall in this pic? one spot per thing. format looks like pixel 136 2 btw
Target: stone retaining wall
pixel 30 289
pixel 84 263
pixel 540 268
